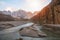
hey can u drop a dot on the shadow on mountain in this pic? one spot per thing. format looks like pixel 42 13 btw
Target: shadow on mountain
pixel 4 17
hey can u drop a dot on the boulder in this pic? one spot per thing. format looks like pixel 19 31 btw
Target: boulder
pixel 31 32
pixel 20 39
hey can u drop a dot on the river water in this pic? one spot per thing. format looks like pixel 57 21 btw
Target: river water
pixel 50 36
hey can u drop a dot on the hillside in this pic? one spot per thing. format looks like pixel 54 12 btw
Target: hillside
pixel 49 14
pixel 4 17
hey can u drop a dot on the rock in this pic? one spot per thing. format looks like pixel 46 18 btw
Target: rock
pixel 20 39
pixel 41 34
pixel 31 32
pixel 49 14
pixel 4 17
pixel 5 26
pixel 55 28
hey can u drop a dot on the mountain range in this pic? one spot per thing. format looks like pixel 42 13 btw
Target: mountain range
pixel 18 14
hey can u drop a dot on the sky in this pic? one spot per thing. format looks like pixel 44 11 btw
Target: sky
pixel 28 5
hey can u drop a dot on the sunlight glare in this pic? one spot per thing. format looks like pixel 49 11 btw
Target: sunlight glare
pixel 37 5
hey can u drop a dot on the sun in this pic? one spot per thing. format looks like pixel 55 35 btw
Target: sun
pixel 37 5
pixel 33 5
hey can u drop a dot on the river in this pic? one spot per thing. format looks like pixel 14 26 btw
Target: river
pixel 50 36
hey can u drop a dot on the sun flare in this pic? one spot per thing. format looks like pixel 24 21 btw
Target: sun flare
pixel 36 5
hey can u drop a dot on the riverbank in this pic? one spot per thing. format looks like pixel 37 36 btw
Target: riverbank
pixel 50 35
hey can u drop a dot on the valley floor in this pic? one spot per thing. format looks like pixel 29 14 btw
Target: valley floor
pixel 15 23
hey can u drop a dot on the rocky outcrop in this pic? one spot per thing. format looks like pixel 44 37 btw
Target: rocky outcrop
pixel 41 16
pixel 55 7
pixel 55 28
pixel 49 14
pixel 31 32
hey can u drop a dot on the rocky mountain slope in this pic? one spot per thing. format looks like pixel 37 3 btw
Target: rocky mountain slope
pixel 49 14
pixel 4 17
